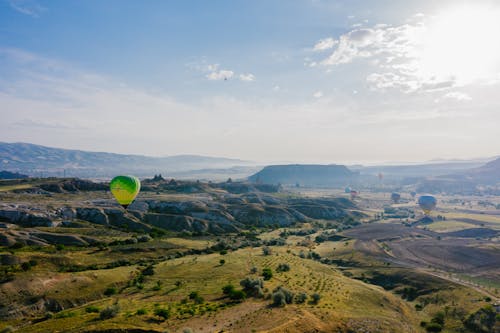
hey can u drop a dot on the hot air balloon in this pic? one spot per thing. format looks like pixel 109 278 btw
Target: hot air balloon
pixel 354 194
pixel 125 189
pixel 427 203
pixel 380 176
pixel 395 197
pixel 347 189
pixel 413 194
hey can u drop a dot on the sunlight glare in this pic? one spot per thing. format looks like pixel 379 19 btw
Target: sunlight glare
pixel 461 44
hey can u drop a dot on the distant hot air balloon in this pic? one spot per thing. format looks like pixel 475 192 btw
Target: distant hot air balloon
pixel 125 189
pixel 354 194
pixel 427 203
pixel 395 197
pixel 380 176
pixel 413 194
pixel 347 189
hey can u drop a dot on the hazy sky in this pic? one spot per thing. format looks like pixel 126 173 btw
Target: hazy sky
pixel 304 81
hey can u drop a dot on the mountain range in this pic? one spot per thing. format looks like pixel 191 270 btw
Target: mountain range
pixel 36 160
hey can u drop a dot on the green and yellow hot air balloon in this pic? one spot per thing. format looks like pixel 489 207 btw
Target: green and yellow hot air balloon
pixel 125 189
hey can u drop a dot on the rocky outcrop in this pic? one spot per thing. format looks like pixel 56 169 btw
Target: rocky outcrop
pixel 121 219
pixel 25 218
pixel 64 239
pixel 92 215
pixel 188 223
pixel 177 207
pixel 41 238
pixel 253 214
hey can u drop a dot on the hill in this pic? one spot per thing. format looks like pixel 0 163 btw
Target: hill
pixel 35 160
pixel 305 175
pixel 11 175
pixel 483 179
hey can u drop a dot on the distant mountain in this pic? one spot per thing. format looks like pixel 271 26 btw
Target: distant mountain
pixel 38 160
pixel 490 172
pixel 479 180
pixel 418 170
pixel 11 175
pixel 305 175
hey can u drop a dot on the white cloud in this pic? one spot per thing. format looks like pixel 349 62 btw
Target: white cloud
pixel 47 100
pixel 459 96
pixel 324 44
pixel 247 77
pixel 423 55
pixel 27 7
pixel 222 74
pixel 318 94
pixel 214 73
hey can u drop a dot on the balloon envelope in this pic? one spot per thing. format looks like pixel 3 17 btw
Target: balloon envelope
pixel 125 189
pixel 427 203
pixel 347 189
pixel 395 197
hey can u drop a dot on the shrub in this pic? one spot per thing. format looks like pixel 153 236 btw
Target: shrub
pixel 150 270
pixel 238 295
pixel 267 273
pixel 253 270
pixel 279 299
pixel 25 266
pixel 65 314
pixel 110 291
pixel 482 321
pixel 195 296
pixel 288 295
pixel 301 298
pixel 141 312
pixel 109 312
pixel 438 318
pixel 222 262
pixel 223 252
pixel 283 268
pixel 253 287
pixel 60 247
pixel 433 327
pixel 228 289
pixel 157 286
pixel 266 251
pixel 163 313
pixel 92 309
pixel 315 298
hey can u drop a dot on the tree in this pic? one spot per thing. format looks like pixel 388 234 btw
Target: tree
pixel 284 267
pixel 109 312
pixel 266 251
pixel 163 313
pixel 267 273
pixel 228 289
pixel 482 321
pixel 315 298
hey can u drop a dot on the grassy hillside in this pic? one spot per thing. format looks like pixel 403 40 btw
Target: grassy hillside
pixel 333 267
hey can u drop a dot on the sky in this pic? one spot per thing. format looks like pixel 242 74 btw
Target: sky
pixel 306 81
